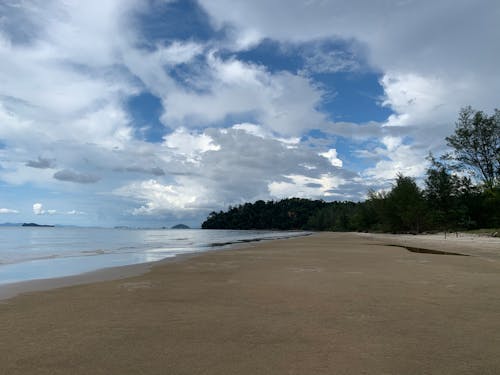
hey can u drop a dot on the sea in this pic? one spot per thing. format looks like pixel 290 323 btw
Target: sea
pixel 31 253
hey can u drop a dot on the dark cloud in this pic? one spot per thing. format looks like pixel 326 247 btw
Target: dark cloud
pixel 72 176
pixel 313 185
pixel 155 171
pixel 41 163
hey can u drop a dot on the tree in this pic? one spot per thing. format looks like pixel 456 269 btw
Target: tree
pixel 405 205
pixel 476 144
pixel 377 206
pixel 442 191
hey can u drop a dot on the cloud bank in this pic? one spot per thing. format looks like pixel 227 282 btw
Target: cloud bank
pixel 110 108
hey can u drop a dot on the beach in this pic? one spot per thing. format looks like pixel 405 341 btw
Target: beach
pixel 330 303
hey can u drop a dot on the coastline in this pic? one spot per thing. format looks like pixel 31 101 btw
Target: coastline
pixel 471 245
pixel 11 290
pixel 342 303
pixel 475 245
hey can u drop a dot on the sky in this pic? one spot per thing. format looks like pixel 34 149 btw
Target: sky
pixel 151 113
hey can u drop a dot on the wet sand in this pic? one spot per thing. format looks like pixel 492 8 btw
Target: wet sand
pixel 325 304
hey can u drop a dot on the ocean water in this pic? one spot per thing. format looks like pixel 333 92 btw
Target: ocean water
pixel 28 253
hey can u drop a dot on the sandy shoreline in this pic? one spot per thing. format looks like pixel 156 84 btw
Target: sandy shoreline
pixel 11 290
pixel 323 304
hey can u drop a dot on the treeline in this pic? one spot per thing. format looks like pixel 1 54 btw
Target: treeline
pixel 404 209
pixel 449 200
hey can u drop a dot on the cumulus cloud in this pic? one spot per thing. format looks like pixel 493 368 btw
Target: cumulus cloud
pixel 72 176
pixel 396 157
pixel 306 187
pixel 68 69
pixel 178 52
pixel 190 145
pixel 426 71
pixel 80 116
pixel 39 210
pixel 414 35
pixel 246 165
pixel 160 199
pixel 281 102
pixel 331 155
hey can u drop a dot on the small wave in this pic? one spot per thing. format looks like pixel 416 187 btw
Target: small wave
pixel 96 252
pixel 31 259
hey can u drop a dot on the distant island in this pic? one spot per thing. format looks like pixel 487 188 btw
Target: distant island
pixel 37 225
pixel 180 226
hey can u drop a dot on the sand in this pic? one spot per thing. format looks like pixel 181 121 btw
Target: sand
pixel 324 304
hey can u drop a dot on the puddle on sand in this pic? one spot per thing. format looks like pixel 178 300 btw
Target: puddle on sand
pixel 429 251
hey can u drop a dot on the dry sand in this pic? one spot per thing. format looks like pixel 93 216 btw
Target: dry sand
pixel 324 304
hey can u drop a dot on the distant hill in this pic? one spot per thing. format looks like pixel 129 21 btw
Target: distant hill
pixel 10 224
pixel 180 226
pixel 37 225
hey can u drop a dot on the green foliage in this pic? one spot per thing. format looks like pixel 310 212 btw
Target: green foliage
pixel 491 207
pixel 441 194
pixel 405 206
pixel 448 203
pixel 292 213
pixel 476 143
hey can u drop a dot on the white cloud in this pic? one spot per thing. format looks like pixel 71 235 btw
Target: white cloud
pixel 68 68
pixel 331 155
pixel 306 187
pixel 39 210
pixel 59 87
pixel 75 212
pixel 62 103
pixel 396 157
pixel 433 59
pixel 414 33
pixel 334 61
pixel 8 211
pixel 190 144
pixel 243 167
pixel 261 132
pixel 178 52
pixel 281 102
pixel 161 199
pixel 426 102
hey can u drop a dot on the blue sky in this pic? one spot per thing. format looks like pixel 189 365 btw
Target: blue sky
pixel 150 113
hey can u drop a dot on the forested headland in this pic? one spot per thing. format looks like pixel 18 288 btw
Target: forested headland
pixel 461 191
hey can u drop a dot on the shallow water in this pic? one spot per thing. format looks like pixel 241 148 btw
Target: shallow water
pixel 28 253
